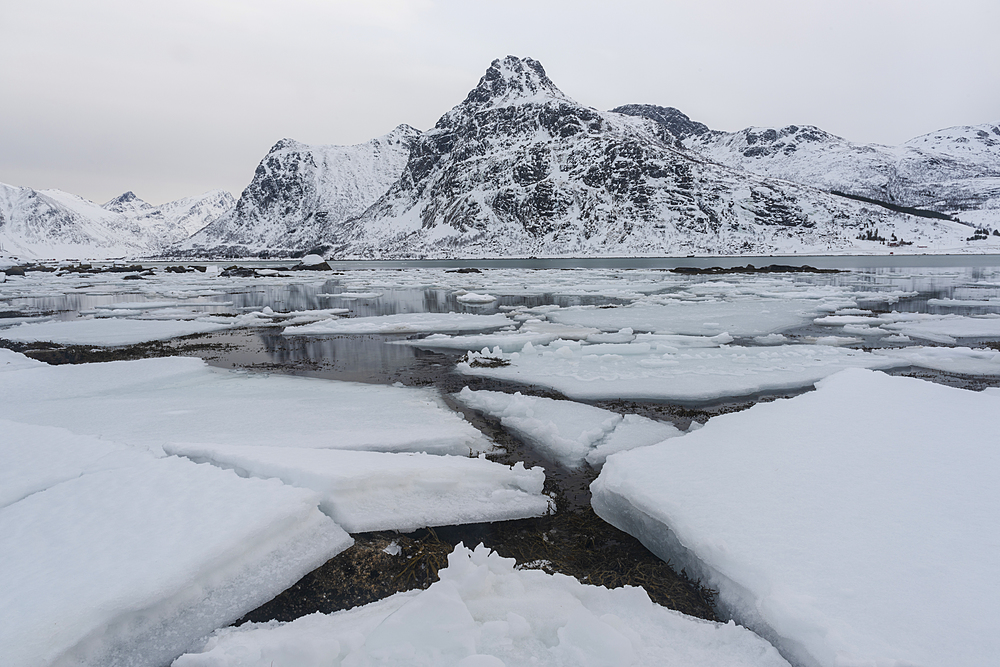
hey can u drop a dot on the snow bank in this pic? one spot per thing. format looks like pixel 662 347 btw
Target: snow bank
pixel 485 613
pixel 654 370
pixel 402 323
pixel 567 432
pixel 845 525
pixel 133 564
pixel 365 491
pixel 108 331
pixel 151 402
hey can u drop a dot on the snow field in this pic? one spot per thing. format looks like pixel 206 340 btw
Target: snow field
pixel 368 491
pixel 485 613
pixel 838 524
pixel 567 432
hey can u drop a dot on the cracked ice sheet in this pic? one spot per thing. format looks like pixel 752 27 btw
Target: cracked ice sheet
pixel 750 317
pixel 108 331
pixel 567 432
pixel 486 613
pixel 133 563
pixel 402 323
pixel 657 371
pixel 150 402
pixel 835 523
pixel 367 491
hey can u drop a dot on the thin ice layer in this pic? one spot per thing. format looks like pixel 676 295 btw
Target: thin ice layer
pixel 839 524
pixel 365 491
pixel 567 432
pixel 108 331
pixel 402 323
pixel 485 613
pixel 151 402
pixel 132 565
pixel 653 370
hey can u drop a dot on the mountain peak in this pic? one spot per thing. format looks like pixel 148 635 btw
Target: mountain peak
pixel 512 79
pixel 127 201
pixel 676 121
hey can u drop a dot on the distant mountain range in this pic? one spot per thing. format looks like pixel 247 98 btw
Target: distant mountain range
pixel 519 168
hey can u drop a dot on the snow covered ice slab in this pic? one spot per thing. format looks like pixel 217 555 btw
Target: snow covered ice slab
pixel 151 402
pixel 108 331
pixel 950 359
pixel 947 328
pixel 567 432
pixel 365 491
pixel 485 613
pixel 652 370
pixel 131 566
pixel 402 323
pixel 853 525
pixel 696 318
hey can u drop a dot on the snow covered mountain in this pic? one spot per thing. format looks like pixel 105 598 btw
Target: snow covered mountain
pixel 300 192
pixel 521 169
pixel 52 224
pixel 954 171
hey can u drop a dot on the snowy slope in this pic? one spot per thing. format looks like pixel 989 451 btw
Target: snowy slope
pixel 57 225
pixel 519 168
pixel 954 170
pixel 300 192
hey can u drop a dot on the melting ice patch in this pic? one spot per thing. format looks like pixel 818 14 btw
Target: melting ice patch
pixel 485 613
pixel 656 370
pixel 836 523
pixel 366 491
pixel 567 432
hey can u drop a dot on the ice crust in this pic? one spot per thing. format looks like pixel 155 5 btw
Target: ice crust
pixel 655 370
pixel 366 491
pixel 129 565
pixel 567 432
pixel 836 523
pixel 485 613
pixel 152 402
pixel 402 323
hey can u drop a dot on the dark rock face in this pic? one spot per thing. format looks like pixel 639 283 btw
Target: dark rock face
pixel 519 168
pixel 675 121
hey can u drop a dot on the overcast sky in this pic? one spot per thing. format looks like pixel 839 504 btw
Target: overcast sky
pixel 171 99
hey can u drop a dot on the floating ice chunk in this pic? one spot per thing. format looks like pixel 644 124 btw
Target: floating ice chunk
pixel 151 402
pixel 485 613
pixel 563 331
pixel 625 335
pixel 132 565
pixel 947 328
pixel 351 295
pixel 680 340
pixel 567 432
pixel 965 303
pixel 142 305
pixel 508 341
pixel 835 523
pixel 771 339
pixel 403 323
pixel 108 331
pixel 949 359
pixel 365 491
pixel 896 338
pixel 833 341
pixel 687 375
pixel 699 318
pixel 473 298
pixel 841 320
pixel 863 330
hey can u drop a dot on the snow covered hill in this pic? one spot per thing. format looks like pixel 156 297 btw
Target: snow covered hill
pixel 300 192
pixel 954 171
pixel 521 169
pixel 51 224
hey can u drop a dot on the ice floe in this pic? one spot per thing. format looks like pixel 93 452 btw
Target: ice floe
pixel 842 524
pixel 655 370
pixel 402 323
pixel 485 613
pixel 567 432
pixel 108 331
pixel 366 491
pixel 132 564
pixel 474 298
pixel 151 402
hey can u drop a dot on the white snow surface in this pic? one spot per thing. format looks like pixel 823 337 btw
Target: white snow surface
pixel 660 371
pixel 567 432
pixel 131 564
pixel 485 613
pixel 836 523
pixel 402 323
pixel 366 491
pixel 109 331
pixel 152 402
